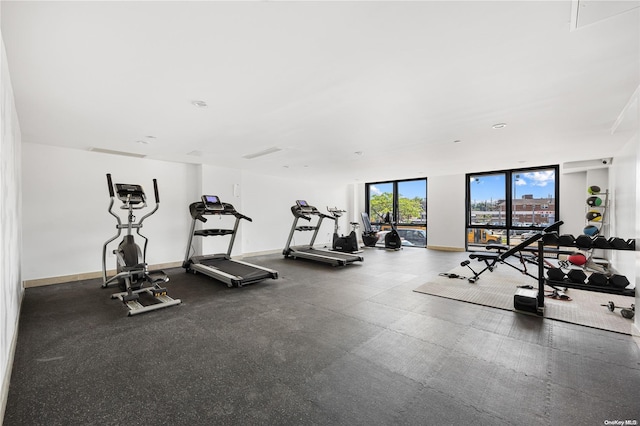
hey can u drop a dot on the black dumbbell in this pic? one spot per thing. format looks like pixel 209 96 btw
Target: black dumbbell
pixel 555 274
pixel 550 238
pixel 584 242
pixel 618 281
pixel 620 244
pixel 566 240
pixel 597 279
pixel 600 242
pixel 627 313
pixel 576 276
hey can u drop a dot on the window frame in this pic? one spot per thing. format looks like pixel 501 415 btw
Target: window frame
pixel 396 204
pixel 509 201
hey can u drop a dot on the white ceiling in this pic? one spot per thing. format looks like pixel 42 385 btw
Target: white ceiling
pixel 398 82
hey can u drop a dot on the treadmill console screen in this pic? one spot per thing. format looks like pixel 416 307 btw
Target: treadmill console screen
pixel 304 206
pixel 212 202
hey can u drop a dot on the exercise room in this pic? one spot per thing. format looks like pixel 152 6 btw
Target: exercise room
pixel 320 213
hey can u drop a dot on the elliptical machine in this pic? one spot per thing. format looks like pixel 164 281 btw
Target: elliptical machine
pixel 369 235
pixel 131 267
pixel 392 239
pixel 345 243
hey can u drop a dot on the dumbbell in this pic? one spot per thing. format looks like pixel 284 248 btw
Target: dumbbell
pixel 627 313
pixel 576 276
pixel 555 274
pixel 597 279
pixel 566 240
pixel 584 241
pixel 620 244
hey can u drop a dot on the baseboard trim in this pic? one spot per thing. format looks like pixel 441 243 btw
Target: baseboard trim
pixel 6 380
pixel 445 248
pixel 258 253
pixel 98 274
pixel 87 276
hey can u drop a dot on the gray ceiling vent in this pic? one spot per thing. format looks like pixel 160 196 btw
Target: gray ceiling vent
pixel 261 153
pixel 110 151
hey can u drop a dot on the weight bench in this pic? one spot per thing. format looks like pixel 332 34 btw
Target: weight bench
pixel 491 259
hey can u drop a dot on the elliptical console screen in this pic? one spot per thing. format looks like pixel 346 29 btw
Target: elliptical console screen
pixel 212 202
pixel 128 193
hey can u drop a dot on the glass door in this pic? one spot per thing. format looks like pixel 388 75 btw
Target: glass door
pixel 412 212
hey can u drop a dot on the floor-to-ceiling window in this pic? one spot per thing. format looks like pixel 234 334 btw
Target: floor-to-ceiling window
pixel 404 202
pixel 507 206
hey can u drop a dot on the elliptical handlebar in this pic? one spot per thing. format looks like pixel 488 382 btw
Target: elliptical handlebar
pixel 155 190
pixel 110 184
pixel 112 196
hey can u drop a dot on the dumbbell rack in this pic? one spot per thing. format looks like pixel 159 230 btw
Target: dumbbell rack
pixel 542 281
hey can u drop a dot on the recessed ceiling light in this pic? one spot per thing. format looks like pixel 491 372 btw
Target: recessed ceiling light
pixel 199 104
pixel 499 126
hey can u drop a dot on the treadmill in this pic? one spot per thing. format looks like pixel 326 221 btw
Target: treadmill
pixel 302 210
pixel 221 266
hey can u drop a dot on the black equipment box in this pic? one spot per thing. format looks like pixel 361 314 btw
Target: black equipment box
pixel 526 300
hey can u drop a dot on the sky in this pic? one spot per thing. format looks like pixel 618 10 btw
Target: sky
pixel 408 189
pixel 540 184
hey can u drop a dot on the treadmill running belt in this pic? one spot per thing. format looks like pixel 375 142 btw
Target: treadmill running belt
pixel 246 272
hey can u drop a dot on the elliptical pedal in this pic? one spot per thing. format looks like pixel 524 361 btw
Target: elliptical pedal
pixel 159 291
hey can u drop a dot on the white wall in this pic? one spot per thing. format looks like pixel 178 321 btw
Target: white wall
pixel 218 181
pixel 10 227
pixel 65 201
pixel 573 195
pixel 625 200
pixel 623 207
pixel 446 211
pixel 637 225
pixel 268 200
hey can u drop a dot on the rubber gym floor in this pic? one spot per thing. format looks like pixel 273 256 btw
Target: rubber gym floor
pixel 321 345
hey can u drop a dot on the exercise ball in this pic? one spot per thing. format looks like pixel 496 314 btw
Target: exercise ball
pixel 577 259
pixel 594 189
pixel 591 230
pixel 594 216
pixel 594 201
